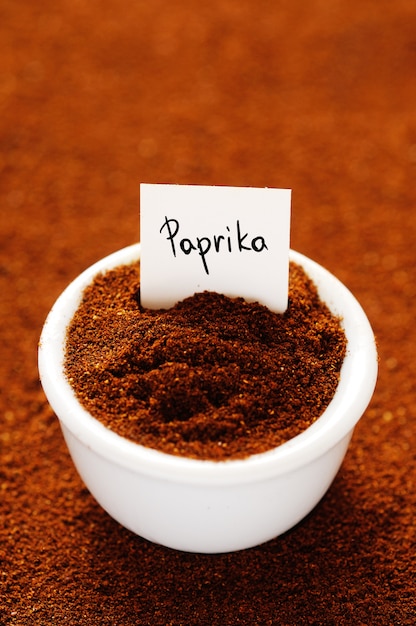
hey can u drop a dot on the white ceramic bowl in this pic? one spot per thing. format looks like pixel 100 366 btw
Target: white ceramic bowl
pixel 209 506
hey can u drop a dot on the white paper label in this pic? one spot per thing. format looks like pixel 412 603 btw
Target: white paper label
pixel 232 240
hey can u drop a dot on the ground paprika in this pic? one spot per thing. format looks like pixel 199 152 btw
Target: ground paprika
pixel 211 378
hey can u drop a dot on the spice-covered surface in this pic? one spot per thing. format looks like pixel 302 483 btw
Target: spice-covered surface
pixel 317 96
pixel 212 377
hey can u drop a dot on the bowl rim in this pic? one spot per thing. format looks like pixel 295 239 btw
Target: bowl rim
pixel 354 392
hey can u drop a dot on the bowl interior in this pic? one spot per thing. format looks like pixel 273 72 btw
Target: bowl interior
pixel 356 386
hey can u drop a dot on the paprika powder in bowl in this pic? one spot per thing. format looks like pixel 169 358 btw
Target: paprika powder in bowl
pixel 205 505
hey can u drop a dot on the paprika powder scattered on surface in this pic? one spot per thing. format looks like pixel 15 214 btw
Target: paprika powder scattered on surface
pixel 211 378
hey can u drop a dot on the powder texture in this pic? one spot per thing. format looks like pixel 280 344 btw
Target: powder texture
pixel 318 96
pixel 211 378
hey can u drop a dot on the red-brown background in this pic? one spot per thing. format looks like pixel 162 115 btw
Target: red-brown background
pixel 98 96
